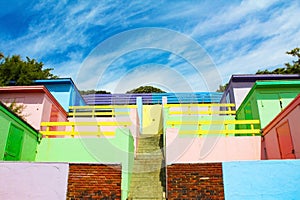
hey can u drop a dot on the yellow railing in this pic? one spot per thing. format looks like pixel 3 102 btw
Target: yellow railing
pixel 73 132
pixel 102 110
pixel 191 109
pixel 225 129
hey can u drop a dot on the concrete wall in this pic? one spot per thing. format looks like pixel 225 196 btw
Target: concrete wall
pixel 262 180
pixel 194 149
pixel 117 149
pixel 132 117
pixel 33 181
pixel 152 119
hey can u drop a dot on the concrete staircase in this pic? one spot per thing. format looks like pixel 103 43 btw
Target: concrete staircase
pixel 147 169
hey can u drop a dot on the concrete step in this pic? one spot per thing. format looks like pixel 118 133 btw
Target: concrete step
pixel 149 157
pixel 147 181
pixel 159 153
pixel 148 162
pixel 146 191
pixel 144 175
pixel 144 150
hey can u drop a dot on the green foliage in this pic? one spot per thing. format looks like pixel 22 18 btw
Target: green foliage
pixel 293 68
pixel 84 92
pixel 14 69
pixel 145 89
pixel 17 109
pixel 222 88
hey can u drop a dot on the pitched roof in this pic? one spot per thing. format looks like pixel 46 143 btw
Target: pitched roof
pixel 32 89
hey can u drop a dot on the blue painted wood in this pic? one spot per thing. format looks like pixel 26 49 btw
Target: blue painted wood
pixel 153 98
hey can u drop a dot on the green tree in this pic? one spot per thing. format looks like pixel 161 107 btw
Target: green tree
pixel 222 88
pixel 16 108
pixel 20 72
pixel 290 68
pixel 145 89
pixel 84 92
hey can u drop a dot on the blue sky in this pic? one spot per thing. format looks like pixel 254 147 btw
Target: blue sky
pixel 178 46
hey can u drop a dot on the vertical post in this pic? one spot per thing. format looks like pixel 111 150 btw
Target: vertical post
pixel 47 131
pixel 226 128
pixel 229 110
pixel 164 118
pixel 98 129
pixel 252 129
pixel 209 109
pixel 199 129
pixel 73 130
pixel 139 103
pixel 93 112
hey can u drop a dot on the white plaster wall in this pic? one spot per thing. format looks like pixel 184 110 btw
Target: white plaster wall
pixel 193 149
pixel 239 95
pixel 23 180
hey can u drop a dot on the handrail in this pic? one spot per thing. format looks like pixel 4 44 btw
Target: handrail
pixel 201 105
pixel 103 106
pixel 103 110
pixel 207 122
pixel 228 109
pixel 226 131
pixel 73 132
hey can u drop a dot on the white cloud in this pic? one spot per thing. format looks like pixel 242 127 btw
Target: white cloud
pixel 230 14
pixel 240 38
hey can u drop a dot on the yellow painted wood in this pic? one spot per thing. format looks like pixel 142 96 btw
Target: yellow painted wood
pixel 106 110
pixel 77 133
pixel 200 105
pixel 102 107
pixel 207 132
pixel 207 122
pixel 208 112
pixel 97 113
pixel 152 119
pixel 114 123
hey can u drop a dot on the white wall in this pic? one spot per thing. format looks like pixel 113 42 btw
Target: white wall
pixel 23 180
pixel 239 95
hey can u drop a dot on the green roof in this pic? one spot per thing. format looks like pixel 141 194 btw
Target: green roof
pixel 269 84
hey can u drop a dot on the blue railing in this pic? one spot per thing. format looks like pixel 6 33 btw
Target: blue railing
pixel 153 98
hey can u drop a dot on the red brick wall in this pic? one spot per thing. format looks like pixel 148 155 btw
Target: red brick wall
pixel 195 181
pixel 94 181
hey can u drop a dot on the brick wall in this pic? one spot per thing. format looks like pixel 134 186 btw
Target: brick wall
pixel 195 181
pixel 94 181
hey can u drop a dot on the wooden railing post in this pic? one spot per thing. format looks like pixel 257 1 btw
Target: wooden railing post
pixel 229 110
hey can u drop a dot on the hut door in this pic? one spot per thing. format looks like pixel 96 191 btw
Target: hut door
pixel 285 141
pixel 14 143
